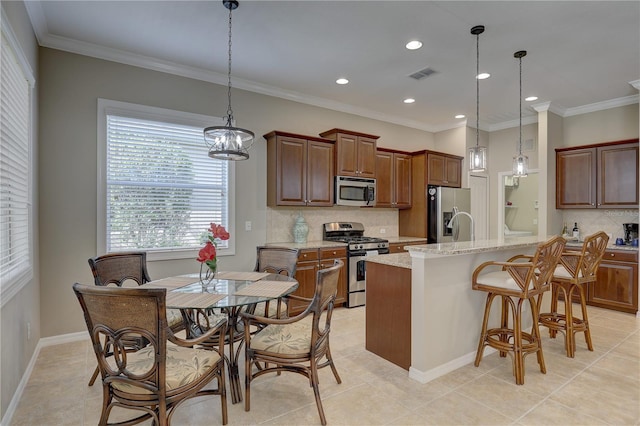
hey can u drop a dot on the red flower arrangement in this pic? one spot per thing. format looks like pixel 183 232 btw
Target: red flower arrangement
pixel 208 254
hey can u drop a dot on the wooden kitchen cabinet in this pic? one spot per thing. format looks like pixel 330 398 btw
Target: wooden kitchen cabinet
pixel 299 170
pixel 399 247
pixel 597 176
pixel 309 262
pixel 413 221
pixel 355 153
pixel 393 179
pixel 444 170
pixel 616 286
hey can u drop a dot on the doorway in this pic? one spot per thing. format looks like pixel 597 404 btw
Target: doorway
pixel 479 185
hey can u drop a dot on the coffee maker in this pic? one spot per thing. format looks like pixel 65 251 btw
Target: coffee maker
pixel 630 232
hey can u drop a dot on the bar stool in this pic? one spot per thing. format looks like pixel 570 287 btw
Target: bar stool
pixel 575 270
pixel 516 283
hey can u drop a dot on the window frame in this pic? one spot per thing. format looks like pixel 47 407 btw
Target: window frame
pixel 144 112
pixel 14 284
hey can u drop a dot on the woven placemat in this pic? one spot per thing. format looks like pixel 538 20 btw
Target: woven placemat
pixel 171 282
pixel 179 300
pixel 265 289
pixel 241 276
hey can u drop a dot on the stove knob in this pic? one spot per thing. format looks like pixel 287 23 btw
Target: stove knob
pixel 381 245
pixel 361 246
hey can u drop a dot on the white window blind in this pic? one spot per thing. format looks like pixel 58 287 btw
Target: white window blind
pixel 15 170
pixel 162 190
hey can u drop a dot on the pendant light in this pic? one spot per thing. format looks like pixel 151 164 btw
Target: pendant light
pixel 478 154
pixel 228 142
pixel 520 162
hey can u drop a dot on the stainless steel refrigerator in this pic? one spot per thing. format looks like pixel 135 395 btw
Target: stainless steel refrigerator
pixel 442 204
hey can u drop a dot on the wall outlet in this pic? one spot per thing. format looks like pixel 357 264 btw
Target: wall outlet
pixel 535 221
pixel 247 225
pixel 28 330
pixel 383 231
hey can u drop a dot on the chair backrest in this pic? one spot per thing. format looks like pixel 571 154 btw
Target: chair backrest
pixel 545 261
pixel 114 316
pixel 583 268
pixel 321 306
pixel 116 268
pixel 276 260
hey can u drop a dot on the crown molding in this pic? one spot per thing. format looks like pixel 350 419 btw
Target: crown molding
pixel 39 24
pixel 541 107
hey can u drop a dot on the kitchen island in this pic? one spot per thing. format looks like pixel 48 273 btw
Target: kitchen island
pixel 445 313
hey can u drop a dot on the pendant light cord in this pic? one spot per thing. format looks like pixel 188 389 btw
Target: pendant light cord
pixel 477 90
pixel 520 149
pixel 229 110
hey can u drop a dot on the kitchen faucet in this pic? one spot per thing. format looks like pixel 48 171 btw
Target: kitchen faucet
pixel 458 213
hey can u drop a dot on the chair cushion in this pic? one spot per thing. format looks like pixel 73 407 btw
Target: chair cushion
pixel 174 317
pixel 184 366
pixel 499 279
pixel 290 339
pixel 562 272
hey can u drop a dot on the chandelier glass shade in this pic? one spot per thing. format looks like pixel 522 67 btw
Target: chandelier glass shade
pixel 520 161
pixel 477 154
pixel 228 142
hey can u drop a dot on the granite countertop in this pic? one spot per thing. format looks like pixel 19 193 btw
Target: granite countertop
pixel 578 245
pixel 308 244
pixel 395 240
pixel 401 260
pixel 478 246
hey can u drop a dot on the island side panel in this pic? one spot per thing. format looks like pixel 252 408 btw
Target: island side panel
pixel 388 313
pixel 447 313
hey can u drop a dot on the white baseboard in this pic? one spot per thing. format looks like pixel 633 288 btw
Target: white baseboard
pixel 441 370
pixel 43 342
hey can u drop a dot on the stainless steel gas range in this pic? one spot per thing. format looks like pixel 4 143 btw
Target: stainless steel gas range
pixel 358 248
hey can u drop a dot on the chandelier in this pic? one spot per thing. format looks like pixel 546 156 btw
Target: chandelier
pixel 228 142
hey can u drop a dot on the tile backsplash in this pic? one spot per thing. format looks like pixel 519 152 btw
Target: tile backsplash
pixel 280 221
pixel 593 220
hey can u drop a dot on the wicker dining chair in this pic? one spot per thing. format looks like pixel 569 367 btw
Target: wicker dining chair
pixel 516 283
pixel 121 269
pixel 298 344
pixel 575 270
pixel 275 260
pixel 159 377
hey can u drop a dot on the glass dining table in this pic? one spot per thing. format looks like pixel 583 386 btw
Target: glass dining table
pixel 228 294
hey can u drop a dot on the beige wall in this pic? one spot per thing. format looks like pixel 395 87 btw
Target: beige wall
pixel 71 85
pixel 602 126
pixel 15 349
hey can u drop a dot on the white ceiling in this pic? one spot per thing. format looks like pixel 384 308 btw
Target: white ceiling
pixel 582 55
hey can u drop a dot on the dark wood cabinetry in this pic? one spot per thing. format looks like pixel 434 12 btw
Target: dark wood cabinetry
pixel 616 286
pixel 299 170
pixel 399 247
pixel 597 176
pixel 309 262
pixel 413 221
pixel 355 153
pixel 444 170
pixel 393 179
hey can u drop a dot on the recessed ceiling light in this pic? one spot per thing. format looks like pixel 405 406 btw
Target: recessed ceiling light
pixel 409 101
pixel 460 116
pixel 413 45
pixel 531 98
pixel 483 76
pixel 342 81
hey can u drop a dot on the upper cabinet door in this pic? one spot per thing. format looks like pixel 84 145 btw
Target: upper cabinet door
pixel 291 171
pixel 366 157
pixel 319 173
pixel 444 170
pixel 402 180
pixel 618 172
pixel 347 155
pixel 576 179
pixel 384 179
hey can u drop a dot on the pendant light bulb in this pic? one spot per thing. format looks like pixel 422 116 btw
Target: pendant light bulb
pixel 520 162
pixel 228 142
pixel 478 154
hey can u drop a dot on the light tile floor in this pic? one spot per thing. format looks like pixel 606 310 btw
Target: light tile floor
pixel 594 388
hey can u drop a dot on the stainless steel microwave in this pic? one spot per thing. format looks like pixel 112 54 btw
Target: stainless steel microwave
pixel 355 191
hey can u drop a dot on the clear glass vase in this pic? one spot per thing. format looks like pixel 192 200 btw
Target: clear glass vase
pixel 207 276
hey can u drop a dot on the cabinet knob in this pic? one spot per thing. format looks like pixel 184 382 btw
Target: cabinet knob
pixel 304 255
pixel 445 181
pixel 334 252
pixel 613 255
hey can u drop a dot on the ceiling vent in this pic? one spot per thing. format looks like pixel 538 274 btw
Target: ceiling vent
pixel 424 73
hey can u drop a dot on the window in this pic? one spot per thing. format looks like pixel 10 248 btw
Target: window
pixel 159 190
pixel 16 246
